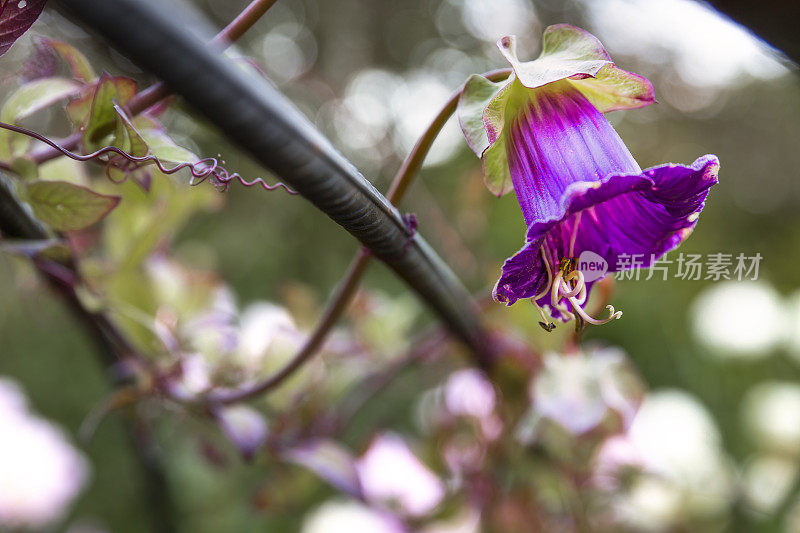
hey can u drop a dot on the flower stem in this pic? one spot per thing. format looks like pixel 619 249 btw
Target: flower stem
pixel 159 91
pixel 358 265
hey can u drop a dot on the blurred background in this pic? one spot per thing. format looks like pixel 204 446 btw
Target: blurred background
pixel 720 360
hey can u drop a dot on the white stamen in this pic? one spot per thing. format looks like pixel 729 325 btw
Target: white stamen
pixel 579 283
pixel 576 296
pixel 612 315
pixel 574 234
pixel 555 297
pixel 549 275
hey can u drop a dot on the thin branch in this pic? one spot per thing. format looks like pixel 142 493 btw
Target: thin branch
pixel 155 93
pixel 358 265
pixel 338 304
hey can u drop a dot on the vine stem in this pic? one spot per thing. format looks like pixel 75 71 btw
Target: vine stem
pixel 158 91
pixel 348 286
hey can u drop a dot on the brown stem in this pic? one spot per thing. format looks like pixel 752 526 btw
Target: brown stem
pixel 347 289
pixel 158 91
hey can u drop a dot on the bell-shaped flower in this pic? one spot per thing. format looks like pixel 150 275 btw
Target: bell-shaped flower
pixel 542 132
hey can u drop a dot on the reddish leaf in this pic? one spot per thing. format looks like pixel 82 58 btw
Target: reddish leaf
pixel 41 63
pixel 16 16
pixel 78 64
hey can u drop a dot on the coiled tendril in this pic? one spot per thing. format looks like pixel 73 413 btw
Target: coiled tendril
pixel 202 170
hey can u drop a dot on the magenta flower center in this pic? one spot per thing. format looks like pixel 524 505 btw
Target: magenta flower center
pixel 558 139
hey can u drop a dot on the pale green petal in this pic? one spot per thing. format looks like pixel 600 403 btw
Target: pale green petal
pixel 570 52
pixel 496 175
pixel 478 94
pixel 566 51
pixel 613 88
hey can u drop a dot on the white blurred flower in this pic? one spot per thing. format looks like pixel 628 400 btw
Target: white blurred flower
pixel 40 472
pixel 652 504
pixel 348 517
pixel 577 390
pixel 213 331
pixel 244 426
pixel 468 393
pixel 767 480
pixel 391 473
pixel 684 472
pixel 615 455
pixel 268 336
pixel 677 439
pixel 772 415
pixel 194 378
pixel 723 319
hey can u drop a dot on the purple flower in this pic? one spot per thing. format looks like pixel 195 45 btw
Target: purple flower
pixel 542 132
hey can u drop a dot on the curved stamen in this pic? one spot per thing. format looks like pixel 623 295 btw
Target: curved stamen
pixel 576 296
pixel 574 234
pixel 555 296
pixel 566 292
pixel 580 285
pixel 549 275
pixel 612 314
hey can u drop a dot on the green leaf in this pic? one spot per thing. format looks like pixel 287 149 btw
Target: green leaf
pixel 36 95
pixel 25 101
pixel 67 207
pixel 55 249
pixel 64 169
pixel 163 147
pixel 81 69
pixel 102 117
pixel 127 138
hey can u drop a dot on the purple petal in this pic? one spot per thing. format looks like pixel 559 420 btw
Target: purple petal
pixel 648 214
pixel 329 461
pixel 558 141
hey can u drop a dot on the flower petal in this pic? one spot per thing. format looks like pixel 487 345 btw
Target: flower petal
pixel 612 89
pixel 524 275
pixel 566 51
pixel 649 214
pixel 481 114
pixel 575 54
pixel 478 93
